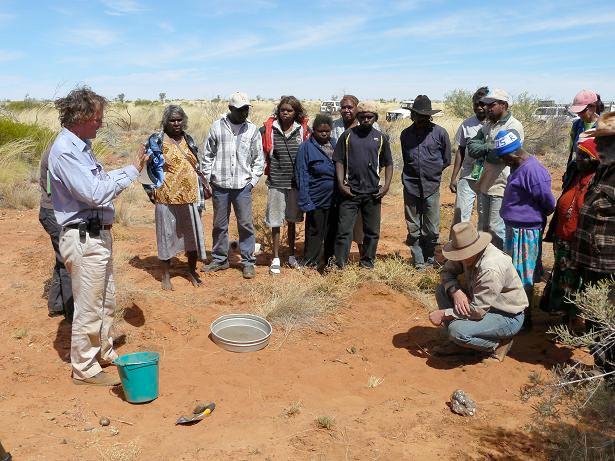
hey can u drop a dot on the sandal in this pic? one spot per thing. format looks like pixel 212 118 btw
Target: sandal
pixel 275 268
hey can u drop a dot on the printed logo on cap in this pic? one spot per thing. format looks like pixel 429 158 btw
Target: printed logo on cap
pixel 505 140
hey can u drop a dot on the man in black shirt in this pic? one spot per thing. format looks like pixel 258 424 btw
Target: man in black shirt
pixel 359 155
pixel 426 151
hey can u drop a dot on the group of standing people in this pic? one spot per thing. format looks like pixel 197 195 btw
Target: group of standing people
pixel 333 172
pixel 493 303
pixel 312 170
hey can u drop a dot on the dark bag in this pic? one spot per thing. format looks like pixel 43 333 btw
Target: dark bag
pixel 545 299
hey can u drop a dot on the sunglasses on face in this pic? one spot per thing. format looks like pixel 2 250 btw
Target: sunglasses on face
pixel 589 106
pixel 365 116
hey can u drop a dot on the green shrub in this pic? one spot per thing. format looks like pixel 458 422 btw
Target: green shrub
pixel 144 102
pixel 459 103
pixel 16 106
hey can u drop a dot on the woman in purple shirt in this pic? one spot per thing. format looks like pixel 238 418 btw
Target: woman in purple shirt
pixel 527 202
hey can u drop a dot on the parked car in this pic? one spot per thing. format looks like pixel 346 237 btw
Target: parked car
pixel 402 112
pixel 329 107
pixel 553 113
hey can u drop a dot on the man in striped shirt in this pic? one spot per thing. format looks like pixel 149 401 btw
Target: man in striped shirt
pixel 233 162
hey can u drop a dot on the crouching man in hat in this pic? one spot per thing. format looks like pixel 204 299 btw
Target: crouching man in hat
pixel 481 298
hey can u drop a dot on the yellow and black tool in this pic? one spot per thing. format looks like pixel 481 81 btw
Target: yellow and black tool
pixel 201 411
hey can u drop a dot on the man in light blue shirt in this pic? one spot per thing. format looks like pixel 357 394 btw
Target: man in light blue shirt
pixel 82 194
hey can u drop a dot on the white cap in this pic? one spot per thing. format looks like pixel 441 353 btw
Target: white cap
pixel 497 94
pixel 239 100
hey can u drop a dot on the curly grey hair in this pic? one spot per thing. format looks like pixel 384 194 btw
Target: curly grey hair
pixel 174 109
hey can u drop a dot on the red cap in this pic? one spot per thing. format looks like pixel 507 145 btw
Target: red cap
pixel 582 99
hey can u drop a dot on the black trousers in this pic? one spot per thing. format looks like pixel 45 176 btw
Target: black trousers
pixel 60 296
pixel 349 207
pixel 320 227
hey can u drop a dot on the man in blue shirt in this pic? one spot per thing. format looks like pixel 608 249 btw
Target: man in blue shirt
pixel 82 194
pixel 426 151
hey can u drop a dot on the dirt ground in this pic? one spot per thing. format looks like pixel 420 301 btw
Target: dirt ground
pixel 43 416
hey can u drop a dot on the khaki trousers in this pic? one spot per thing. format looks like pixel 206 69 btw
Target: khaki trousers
pixel 90 264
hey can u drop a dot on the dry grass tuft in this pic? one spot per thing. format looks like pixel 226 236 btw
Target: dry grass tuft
pixel 325 422
pixel 374 381
pixel 303 296
pixel 396 273
pixel 126 205
pixel 294 408
pixel 20 333
pixel 19 195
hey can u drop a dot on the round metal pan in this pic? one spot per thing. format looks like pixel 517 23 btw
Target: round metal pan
pixel 241 332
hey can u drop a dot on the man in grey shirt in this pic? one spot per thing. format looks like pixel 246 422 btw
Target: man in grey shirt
pixel 82 194
pixel 233 162
pixel 60 294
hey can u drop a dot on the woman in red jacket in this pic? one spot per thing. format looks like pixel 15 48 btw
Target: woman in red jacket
pixel 564 279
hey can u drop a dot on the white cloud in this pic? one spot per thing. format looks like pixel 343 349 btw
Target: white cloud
pixel 122 7
pixel 498 24
pixel 92 37
pixel 9 55
pixel 226 7
pixel 166 26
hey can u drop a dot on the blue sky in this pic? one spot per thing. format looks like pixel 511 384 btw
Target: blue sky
pixel 198 49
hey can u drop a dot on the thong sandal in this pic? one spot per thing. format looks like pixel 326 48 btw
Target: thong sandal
pixel 275 268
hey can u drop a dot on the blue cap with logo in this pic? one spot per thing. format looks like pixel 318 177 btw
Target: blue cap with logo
pixel 506 142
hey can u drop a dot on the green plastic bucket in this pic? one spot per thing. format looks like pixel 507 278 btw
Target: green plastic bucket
pixel 139 374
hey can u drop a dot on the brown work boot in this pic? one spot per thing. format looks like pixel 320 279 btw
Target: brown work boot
pixel 101 379
pixel 501 351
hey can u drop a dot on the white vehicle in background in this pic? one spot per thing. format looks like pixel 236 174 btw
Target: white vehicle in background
pixel 561 113
pixel 402 112
pixel 329 107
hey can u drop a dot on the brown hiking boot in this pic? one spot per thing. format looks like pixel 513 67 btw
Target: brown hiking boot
pixel 101 379
pixel 501 351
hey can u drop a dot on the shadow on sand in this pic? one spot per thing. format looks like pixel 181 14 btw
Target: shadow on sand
pixel 532 347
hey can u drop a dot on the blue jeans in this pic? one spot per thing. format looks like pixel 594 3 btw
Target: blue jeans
pixel 241 200
pixel 423 223
pixel 489 219
pixel 464 201
pixel 482 335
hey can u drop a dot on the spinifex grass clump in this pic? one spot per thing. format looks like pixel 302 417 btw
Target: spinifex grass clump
pixel 302 297
pixel 38 137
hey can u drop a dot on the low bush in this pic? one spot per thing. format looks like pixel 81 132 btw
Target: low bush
pixel 459 103
pixel 574 405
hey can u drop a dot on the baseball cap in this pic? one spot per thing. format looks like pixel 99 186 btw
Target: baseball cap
pixel 506 142
pixel 497 94
pixel 239 100
pixel 582 99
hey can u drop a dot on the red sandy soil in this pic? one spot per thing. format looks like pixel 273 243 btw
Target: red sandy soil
pixel 43 416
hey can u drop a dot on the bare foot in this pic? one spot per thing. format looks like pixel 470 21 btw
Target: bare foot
pixel 194 279
pixel 166 284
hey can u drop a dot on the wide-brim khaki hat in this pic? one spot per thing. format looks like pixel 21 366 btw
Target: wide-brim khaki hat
pixel 465 242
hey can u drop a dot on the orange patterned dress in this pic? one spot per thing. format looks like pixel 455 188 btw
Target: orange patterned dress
pixel 181 184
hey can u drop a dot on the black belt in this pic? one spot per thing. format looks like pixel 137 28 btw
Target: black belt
pixel 76 226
